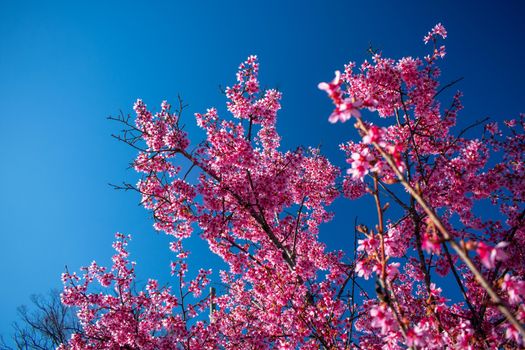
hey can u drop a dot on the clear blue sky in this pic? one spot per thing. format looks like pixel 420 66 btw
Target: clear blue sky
pixel 65 66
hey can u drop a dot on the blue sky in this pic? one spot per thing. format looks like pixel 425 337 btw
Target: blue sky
pixel 65 66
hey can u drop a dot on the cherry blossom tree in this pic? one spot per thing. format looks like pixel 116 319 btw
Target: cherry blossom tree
pixel 259 208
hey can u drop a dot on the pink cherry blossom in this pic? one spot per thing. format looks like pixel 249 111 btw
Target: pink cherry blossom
pixel 262 211
pixel 489 255
pixel 360 164
pixel 375 135
pixel 345 108
pixel 515 288
pixel 437 30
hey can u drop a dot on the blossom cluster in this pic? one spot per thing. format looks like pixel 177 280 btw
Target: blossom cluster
pixel 444 174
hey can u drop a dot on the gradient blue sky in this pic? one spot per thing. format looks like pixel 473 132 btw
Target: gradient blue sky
pixel 66 65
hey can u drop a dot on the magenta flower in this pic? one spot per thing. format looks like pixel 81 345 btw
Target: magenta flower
pixel 333 89
pixel 345 110
pixel 375 135
pixel 489 255
pixel 515 288
pixel 360 164
pixel 438 29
